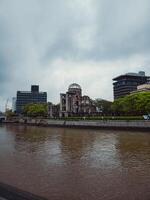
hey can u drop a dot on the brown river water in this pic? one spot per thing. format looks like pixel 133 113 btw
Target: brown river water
pixel 76 164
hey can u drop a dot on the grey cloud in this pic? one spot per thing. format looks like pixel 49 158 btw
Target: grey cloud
pixel 34 33
pixel 121 30
pixel 125 27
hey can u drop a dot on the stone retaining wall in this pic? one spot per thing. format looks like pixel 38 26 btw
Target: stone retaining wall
pixel 143 124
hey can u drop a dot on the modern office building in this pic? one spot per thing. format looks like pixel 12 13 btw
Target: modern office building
pixel 127 83
pixel 72 103
pixel 27 97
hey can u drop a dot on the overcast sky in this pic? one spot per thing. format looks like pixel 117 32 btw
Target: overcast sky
pixel 57 42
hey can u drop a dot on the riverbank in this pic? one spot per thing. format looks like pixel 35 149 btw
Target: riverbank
pixel 109 124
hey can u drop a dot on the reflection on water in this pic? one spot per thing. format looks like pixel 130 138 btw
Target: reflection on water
pixel 69 164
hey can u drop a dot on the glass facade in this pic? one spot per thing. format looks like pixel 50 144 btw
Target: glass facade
pixel 34 96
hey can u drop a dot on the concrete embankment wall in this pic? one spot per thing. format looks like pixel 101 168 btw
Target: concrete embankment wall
pixel 120 124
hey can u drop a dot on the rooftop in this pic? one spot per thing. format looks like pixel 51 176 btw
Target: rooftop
pixel 131 74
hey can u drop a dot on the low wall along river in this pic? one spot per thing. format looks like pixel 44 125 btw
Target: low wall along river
pixel 118 124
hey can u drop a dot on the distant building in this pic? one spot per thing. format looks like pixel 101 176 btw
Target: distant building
pixel 127 83
pixel 143 88
pixel 27 97
pixel 72 103
pixel 53 110
pixel 14 104
pixel 2 117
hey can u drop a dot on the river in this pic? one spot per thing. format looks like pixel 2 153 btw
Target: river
pixel 76 164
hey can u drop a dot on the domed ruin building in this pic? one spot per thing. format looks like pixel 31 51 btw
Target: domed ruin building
pixel 72 103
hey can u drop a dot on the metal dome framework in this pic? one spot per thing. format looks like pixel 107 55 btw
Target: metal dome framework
pixel 74 86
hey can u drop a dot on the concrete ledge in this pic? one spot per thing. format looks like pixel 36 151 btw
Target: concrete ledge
pixel 122 124
pixel 109 124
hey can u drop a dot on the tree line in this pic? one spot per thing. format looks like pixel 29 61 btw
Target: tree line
pixel 137 104
pixel 134 104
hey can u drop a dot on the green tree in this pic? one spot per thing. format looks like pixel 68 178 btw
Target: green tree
pixel 9 113
pixel 117 106
pixel 133 104
pixel 104 106
pixel 35 110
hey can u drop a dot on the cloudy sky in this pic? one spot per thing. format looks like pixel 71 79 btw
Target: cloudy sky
pixel 56 42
